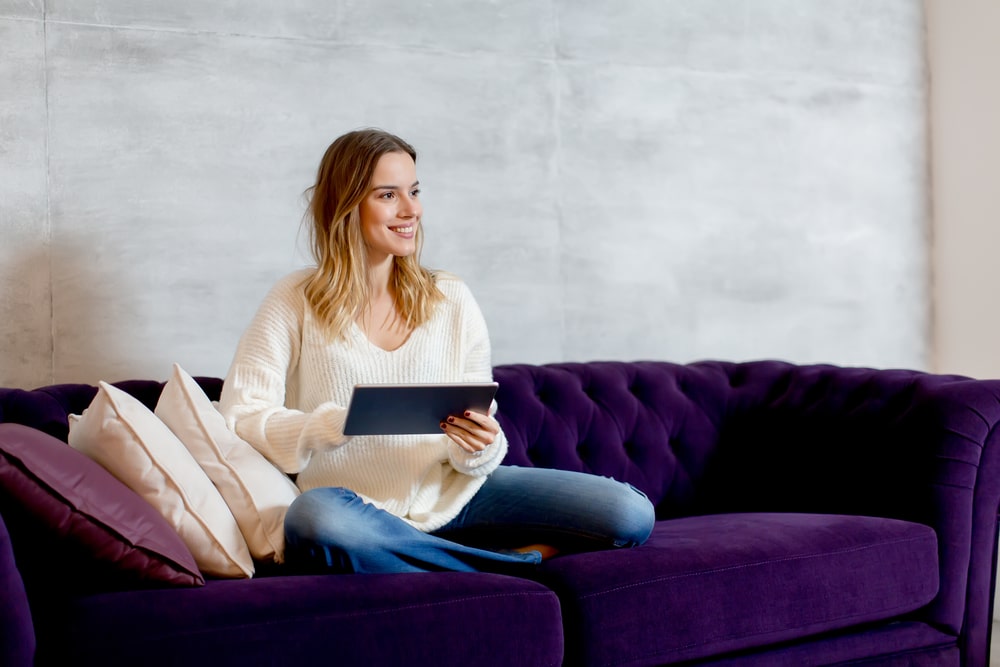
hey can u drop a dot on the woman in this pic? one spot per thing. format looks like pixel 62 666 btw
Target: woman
pixel 370 313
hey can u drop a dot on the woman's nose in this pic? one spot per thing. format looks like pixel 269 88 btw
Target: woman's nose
pixel 410 208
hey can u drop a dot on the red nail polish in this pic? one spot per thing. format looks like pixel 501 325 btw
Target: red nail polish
pixel 468 414
pixel 451 420
pixel 443 425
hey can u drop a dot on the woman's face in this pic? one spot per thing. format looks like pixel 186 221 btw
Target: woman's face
pixel 390 212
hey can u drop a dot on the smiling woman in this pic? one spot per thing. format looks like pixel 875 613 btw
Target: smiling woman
pixel 369 313
pixel 390 218
pixel 366 236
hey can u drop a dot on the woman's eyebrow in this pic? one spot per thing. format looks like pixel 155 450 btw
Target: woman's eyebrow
pixel 393 187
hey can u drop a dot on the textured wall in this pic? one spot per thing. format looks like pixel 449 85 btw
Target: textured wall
pixel 674 179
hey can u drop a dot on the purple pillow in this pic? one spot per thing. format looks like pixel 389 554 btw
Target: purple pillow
pixel 76 528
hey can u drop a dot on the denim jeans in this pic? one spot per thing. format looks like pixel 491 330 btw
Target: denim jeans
pixel 332 529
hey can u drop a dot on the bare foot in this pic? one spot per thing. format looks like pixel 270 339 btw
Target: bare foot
pixel 546 550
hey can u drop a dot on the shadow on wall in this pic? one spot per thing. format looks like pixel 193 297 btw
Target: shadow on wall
pixel 90 297
pixel 26 319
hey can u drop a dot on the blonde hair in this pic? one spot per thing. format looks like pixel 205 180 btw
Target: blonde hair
pixel 338 291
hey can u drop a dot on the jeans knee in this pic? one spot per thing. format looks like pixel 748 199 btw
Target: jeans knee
pixel 635 517
pixel 319 515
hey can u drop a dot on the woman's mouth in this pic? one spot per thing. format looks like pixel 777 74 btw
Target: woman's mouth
pixel 403 231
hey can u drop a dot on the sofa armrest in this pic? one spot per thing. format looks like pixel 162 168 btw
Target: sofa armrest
pixel 17 634
pixel 898 444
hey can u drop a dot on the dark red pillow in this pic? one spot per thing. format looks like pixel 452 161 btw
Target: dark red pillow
pixel 76 528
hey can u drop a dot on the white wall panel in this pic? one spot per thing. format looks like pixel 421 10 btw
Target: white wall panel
pixel 179 160
pixel 673 179
pixel 24 9
pixel 742 217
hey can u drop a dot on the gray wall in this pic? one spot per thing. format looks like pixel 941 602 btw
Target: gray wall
pixel 676 180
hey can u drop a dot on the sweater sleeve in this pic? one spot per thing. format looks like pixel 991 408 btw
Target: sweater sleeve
pixel 478 367
pixel 254 391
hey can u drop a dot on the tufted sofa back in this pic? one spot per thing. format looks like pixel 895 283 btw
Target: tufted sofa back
pixel 48 408
pixel 716 436
pixel 696 438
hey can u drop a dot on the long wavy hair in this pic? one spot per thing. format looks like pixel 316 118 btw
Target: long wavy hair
pixel 338 291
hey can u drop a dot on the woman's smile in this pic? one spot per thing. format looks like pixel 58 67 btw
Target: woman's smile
pixel 406 232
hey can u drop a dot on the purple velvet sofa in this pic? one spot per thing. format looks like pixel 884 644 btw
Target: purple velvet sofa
pixel 808 515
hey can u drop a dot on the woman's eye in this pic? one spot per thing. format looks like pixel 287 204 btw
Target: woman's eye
pixel 388 195
pixel 415 193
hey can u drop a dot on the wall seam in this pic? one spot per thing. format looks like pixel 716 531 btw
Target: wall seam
pixel 48 196
pixel 557 159
pixel 556 58
pixel 931 354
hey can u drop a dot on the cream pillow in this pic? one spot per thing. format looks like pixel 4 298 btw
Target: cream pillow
pixel 128 440
pixel 258 494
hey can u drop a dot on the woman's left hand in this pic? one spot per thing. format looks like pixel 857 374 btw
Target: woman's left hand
pixel 473 431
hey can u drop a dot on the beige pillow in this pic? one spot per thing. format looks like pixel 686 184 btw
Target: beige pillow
pixel 258 494
pixel 128 440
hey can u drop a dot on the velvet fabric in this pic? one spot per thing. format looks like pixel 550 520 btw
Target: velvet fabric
pixel 17 636
pixel 899 644
pixel 728 582
pixel 48 408
pixel 400 619
pixel 807 515
pixel 77 528
pixel 768 436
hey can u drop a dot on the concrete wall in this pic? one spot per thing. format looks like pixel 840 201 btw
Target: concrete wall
pixel 649 179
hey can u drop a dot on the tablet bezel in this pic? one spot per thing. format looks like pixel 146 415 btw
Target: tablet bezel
pixel 413 409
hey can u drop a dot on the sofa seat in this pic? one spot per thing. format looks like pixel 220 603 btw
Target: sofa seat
pixel 709 585
pixel 887 644
pixel 406 619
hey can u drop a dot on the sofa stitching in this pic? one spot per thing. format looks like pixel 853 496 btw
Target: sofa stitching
pixel 285 618
pixel 949 485
pixel 739 635
pixel 963 436
pixel 753 564
pixel 389 610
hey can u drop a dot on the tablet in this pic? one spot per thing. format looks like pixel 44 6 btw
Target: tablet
pixel 412 409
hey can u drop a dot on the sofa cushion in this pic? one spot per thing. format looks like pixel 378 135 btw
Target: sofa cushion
pixel 123 435
pixel 706 585
pixel 257 493
pixel 449 618
pixel 77 528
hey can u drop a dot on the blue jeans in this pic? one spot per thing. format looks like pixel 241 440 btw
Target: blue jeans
pixel 332 529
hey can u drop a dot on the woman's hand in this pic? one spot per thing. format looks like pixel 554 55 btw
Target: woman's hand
pixel 473 431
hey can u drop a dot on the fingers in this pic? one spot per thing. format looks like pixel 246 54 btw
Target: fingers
pixel 472 432
pixel 463 439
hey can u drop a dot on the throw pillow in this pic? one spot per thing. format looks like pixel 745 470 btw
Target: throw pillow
pixel 102 535
pixel 125 437
pixel 258 494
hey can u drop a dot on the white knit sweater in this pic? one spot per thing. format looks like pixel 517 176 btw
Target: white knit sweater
pixel 288 388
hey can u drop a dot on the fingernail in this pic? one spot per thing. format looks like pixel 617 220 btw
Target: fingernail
pixel 451 420
pixel 443 425
pixel 468 414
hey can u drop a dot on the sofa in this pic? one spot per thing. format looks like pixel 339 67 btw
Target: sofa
pixel 807 515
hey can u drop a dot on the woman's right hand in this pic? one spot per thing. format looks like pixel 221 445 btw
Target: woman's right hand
pixel 473 431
